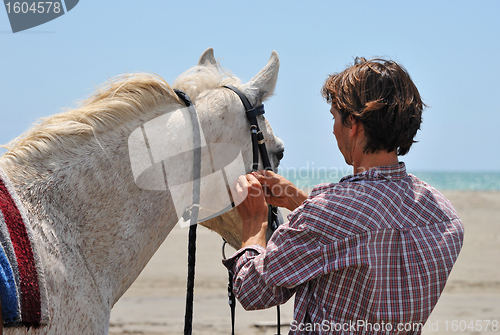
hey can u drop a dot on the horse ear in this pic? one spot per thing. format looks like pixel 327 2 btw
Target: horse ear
pixel 207 58
pixel 262 85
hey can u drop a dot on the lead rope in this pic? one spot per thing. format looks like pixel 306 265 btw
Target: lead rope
pixel 192 212
pixel 188 316
pixel 230 294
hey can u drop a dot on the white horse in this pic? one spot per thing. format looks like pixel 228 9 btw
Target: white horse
pixel 94 230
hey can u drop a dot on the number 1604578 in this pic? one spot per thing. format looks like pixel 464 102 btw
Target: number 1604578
pixel 34 7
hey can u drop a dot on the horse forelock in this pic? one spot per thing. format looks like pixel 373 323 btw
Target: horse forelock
pixel 203 78
pixel 121 99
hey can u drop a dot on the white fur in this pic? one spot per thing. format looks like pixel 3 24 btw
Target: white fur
pixel 94 229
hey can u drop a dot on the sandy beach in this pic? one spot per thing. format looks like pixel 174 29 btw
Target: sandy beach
pixel 155 302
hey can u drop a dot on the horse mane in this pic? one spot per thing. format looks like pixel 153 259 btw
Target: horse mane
pixel 203 78
pixel 121 99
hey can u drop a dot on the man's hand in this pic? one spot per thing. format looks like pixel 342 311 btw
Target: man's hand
pixel 252 209
pixel 279 191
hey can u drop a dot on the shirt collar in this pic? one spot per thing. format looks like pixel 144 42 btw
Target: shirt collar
pixel 394 173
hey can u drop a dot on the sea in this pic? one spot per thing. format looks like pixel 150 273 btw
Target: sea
pixel 306 178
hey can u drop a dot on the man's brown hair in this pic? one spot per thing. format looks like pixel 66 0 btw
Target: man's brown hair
pixel 381 95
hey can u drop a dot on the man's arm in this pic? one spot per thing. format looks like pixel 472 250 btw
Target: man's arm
pixel 249 287
pixel 267 277
pixel 279 191
pixel 252 193
pixel 251 284
pixel 257 283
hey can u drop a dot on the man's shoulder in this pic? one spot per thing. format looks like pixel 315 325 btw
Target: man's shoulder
pixel 333 212
pixel 366 205
pixel 431 199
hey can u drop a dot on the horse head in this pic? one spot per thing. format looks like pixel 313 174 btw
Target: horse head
pixel 223 116
pixel 221 111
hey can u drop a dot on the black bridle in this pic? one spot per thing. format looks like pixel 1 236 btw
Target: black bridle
pixel 258 146
pixel 192 212
pixel 258 142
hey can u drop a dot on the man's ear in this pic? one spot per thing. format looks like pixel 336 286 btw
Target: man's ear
pixel 353 120
pixel 355 126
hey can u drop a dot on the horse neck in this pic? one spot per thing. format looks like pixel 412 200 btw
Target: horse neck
pixel 88 189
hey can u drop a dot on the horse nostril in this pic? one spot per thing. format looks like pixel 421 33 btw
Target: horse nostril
pixel 279 155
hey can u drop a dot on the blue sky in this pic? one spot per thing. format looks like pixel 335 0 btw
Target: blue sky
pixel 448 47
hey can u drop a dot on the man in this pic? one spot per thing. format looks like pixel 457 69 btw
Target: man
pixel 370 254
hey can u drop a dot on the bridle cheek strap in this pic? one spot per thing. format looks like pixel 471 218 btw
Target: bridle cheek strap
pixel 258 145
pixel 258 142
pixel 192 212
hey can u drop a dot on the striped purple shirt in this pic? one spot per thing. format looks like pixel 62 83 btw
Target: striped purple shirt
pixel 368 255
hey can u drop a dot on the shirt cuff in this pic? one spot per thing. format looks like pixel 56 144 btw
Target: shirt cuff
pixel 241 257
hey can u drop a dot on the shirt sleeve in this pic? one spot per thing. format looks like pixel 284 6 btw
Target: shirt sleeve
pixel 249 280
pixel 267 277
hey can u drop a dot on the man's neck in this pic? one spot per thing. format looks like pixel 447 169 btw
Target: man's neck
pixel 364 162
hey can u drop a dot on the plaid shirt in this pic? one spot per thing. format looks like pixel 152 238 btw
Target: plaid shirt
pixel 368 255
